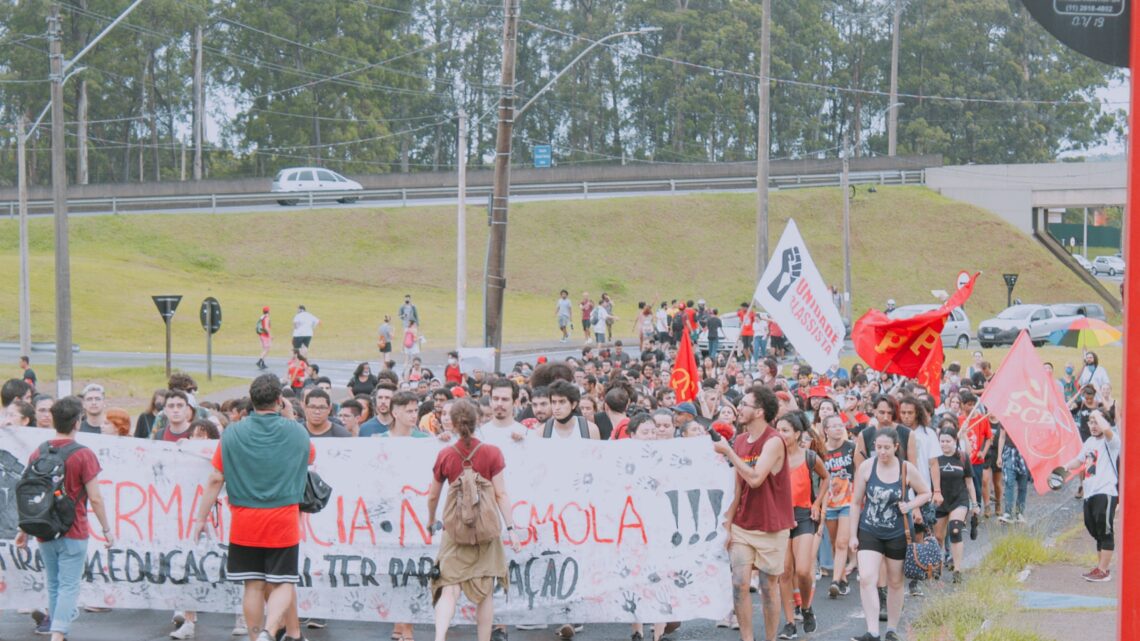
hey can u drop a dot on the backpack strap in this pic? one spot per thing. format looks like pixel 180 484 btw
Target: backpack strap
pixel 584 427
pixel 466 459
pixel 548 428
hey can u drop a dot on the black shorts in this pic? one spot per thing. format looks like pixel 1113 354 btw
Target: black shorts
pixel 272 565
pixel 894 549
pixel 301 341
pixel 944 510
pixel 804 524
pixel 1100 512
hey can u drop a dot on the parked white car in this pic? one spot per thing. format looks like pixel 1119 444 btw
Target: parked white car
pixel 730 334
pixel 955 333
pixel 310 179
pixel 1038 319
pixel 1111 265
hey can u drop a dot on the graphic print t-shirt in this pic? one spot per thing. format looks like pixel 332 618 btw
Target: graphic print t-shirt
pixel 840 464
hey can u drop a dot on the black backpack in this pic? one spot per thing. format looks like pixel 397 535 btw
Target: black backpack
pixel 42 505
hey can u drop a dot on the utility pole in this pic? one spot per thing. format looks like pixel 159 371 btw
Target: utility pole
pixel 197 124
pixel 500 198
pixel 59 199
pixel 846 234
pixel 461 235
pixel 893 110
pixel 22 196
pixel 762 141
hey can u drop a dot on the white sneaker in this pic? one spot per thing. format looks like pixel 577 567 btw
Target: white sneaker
pixel 184 631
pixel 240 629
pixel 1020 518
pixel 1005 518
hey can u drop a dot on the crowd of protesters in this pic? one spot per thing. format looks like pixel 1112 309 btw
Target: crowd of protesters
pixel 833 468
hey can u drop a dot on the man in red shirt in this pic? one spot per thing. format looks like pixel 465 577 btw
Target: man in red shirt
pixel 759 520
pixel 65 558
pixel 265 529
pixel 746 316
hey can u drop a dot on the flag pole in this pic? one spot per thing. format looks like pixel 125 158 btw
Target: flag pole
pixel 1129 562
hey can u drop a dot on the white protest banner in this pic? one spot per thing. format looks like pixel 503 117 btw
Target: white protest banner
pixel 793 292
pixel 617 531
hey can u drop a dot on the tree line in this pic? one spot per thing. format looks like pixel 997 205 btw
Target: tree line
pixel 371 86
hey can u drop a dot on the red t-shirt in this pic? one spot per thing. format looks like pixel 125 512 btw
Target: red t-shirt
pixel 621 430
pixel 264 527
pixel 745 322
pixel 774 329
pixel 80 468
pixel 767 508
pixel 452 375
pixel 488 461
pixel 167 435
pixel 976 434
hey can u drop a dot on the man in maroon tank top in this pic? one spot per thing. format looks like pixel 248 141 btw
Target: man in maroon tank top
pixel 760 517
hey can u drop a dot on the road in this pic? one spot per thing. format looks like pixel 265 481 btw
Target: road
pixel 838 619
pixel 385 203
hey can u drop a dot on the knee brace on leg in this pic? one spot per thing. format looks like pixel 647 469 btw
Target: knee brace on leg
pixel 955 531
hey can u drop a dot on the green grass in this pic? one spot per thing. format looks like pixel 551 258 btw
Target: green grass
pixel 130 387
pixel 1013 552
pixel 350 267
pixel 988 593
pixel 958 614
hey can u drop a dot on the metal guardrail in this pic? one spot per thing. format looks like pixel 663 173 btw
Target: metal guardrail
pixel 403 197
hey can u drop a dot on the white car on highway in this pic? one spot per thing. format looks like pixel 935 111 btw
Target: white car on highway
pixel 1111 265
pixel 312 179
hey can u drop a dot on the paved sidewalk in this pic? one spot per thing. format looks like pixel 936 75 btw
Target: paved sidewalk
pixel 1057 603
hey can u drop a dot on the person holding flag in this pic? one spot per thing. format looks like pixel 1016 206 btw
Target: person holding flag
pixel 1100 458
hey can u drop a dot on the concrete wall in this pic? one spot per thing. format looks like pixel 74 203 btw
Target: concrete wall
pixel 477 178
pixel 1011 191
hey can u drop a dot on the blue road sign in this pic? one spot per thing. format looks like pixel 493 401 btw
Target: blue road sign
pixel 542 156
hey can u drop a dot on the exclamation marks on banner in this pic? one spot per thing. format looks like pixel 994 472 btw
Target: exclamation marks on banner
pixel 716 500
pixel 677 538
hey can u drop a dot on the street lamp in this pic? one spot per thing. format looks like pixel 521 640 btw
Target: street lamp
pixel 495 278
pixel 59 67
pixel 595 44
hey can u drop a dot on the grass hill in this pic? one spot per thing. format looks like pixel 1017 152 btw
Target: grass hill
pixel 350 267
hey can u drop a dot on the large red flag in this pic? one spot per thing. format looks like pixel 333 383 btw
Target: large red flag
pixel 1032 410
pixel 911 346
pixel 684 377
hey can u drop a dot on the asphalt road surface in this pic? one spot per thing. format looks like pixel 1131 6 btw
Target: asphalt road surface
pixel 838 619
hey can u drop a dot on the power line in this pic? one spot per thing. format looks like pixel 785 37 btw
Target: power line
pixel 814 85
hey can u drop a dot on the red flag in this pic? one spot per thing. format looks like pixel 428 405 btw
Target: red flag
pixel 1032 410
pixel 684 377
pixel 911 346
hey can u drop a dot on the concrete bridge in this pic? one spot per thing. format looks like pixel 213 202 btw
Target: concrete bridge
pixel 1014 191
pixel 1024 194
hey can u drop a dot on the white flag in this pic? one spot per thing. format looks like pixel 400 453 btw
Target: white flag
pixel 793 292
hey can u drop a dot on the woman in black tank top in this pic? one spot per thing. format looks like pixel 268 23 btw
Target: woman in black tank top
pixel 878 508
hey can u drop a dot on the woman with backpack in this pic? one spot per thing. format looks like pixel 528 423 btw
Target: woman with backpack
pixel 471 555
pixel 807 503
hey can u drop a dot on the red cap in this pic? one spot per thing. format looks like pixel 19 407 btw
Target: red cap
pixel 458 392
pixel 265 309
pixel 818 391
pixel 540 360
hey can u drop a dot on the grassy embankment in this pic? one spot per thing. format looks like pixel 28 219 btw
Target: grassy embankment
pixel 352 266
